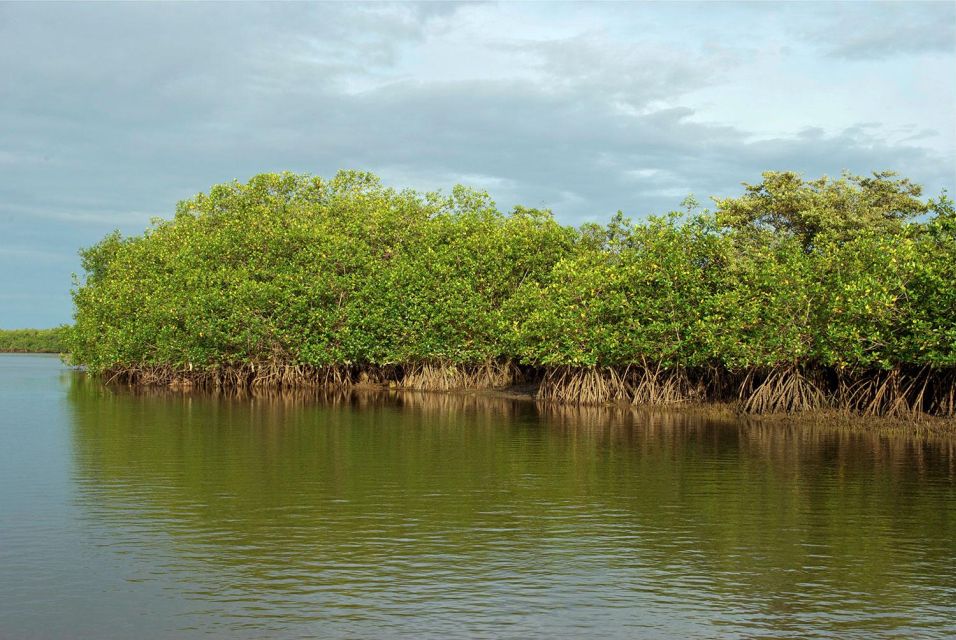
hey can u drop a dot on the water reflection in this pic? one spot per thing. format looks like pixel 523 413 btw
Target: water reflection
pixel 375 514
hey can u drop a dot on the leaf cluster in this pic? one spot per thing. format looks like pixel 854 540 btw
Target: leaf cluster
pixel 856 272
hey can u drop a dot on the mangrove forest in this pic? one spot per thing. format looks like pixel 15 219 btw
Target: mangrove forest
pixel 34 340
pixel 796 295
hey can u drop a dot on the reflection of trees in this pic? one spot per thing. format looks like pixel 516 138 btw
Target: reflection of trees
pixel 346 491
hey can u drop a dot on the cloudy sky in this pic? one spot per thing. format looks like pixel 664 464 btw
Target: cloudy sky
pixel 110 114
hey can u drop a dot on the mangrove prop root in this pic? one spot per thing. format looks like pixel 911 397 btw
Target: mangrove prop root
pixel 897 392
pixel 430 376
pixel 781 390
pixel 641 385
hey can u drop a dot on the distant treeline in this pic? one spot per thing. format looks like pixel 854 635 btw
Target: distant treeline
pixel 34 340
pixel 796 295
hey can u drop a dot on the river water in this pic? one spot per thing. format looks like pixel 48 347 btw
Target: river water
pixel 160 515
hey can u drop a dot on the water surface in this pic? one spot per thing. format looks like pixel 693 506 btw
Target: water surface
pixel 159 515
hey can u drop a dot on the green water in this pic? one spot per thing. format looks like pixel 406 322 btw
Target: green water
pixel 126 515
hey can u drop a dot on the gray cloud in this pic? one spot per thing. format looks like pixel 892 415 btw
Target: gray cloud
pixel 879 30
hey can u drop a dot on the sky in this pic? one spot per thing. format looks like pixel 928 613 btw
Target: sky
pixel 111 113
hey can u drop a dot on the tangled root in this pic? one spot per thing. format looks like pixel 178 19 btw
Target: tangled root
pixel 592 385
pixel 662 386
pixel 640 385
pixel 899 394
pixel 782 390
pixel 429 376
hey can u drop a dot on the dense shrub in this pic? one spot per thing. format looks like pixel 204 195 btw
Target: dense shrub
pixel 797 294
pixel 34 340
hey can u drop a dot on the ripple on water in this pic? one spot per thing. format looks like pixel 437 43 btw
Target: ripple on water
pixel 156 516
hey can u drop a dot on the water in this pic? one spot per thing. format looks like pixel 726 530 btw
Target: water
pixel 156 515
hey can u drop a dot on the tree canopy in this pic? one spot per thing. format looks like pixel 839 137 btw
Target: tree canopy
pixel 854 274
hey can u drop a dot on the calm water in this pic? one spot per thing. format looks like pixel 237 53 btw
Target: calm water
pixel 128 515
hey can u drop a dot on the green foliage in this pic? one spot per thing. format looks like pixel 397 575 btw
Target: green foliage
pixel 852 273
pixel 835 209
pixel 641 294
pixel 34 340
pixel 295 269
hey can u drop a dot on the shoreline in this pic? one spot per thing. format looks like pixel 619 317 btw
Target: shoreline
pixel 34 353
pixel 900 394
pixel 831 418
pixel 527 392
pixel 827 418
